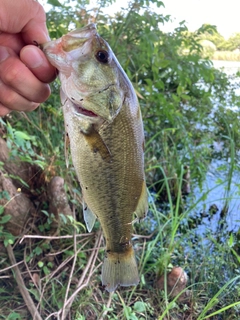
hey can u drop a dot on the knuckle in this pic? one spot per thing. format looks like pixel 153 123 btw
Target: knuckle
pixel 9 99
pixel 13 75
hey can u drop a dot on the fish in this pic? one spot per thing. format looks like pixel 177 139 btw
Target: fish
pixel 104 131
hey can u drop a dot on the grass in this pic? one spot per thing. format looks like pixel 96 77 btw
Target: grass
pixel 62 272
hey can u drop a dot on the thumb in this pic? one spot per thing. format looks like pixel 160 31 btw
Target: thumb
pixel 37 62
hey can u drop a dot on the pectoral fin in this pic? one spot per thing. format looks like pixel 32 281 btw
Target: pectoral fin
pixel 97 144
pixel 142 207
pixel 89 217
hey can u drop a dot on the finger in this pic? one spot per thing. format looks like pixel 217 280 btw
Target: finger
pixel 37 62
pixel 29 20
pixel 4 111
pixel 15 74
pixel 11 100
pixel 13 41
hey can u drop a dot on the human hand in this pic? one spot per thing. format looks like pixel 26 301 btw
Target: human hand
pixel 24 69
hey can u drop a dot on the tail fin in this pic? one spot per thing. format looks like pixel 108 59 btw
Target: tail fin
pixel 119 269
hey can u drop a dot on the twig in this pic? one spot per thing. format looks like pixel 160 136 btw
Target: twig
pixel 29 272
pixel 65 249
pixel 5 277
pixel 55 238
pixel 66 261
pixel 139 236
pixel 58 269
pixel 37 285
pixel 90 265
pixel 81 284
pixel 3 270
pixel 21 285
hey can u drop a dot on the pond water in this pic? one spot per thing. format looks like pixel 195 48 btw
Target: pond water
pixel 229 67
pixel 217 194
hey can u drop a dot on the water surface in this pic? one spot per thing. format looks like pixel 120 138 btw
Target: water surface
pixel 218 194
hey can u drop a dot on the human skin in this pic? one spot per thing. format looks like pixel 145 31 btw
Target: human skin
pixel 24 70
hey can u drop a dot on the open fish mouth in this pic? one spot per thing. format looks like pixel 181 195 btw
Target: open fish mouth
pixel 79 110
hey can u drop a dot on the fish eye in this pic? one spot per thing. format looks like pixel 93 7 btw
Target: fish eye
pixel 102 56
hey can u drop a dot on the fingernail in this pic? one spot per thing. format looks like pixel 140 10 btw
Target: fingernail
pixel 32 57
pixel 4 54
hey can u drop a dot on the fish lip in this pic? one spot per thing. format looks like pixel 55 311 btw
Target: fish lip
pixel 80 111
pixel 90 30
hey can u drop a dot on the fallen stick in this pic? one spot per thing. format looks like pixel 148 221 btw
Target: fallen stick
pixel 22 288
pixel 55 238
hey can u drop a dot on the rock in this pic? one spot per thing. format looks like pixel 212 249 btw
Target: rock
pixel 58 201
pixel 176 283
pixel 14 166
pixel 20 201
pixel 17 205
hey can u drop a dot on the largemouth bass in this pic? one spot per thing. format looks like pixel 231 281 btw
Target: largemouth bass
pixel 103 124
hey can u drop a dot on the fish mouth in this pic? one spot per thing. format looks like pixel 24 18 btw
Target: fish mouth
pixel 85 32
pixel 79 110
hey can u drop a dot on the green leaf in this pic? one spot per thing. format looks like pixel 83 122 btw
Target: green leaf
pixel 231 240
pixel 10 129
pixel 139 306
pixel 63 218
pixel 22 135
pixel 40 163
pixel 19 179
pixel 185 97
pixel 46 270
pixel 14 316
pixel 164 63
pixel 5 218
pixel 133 317
pixel 38 250
pixel 55 3
pixel 45 212
pixel 1 210
pixel 8 241
pixel 180 90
